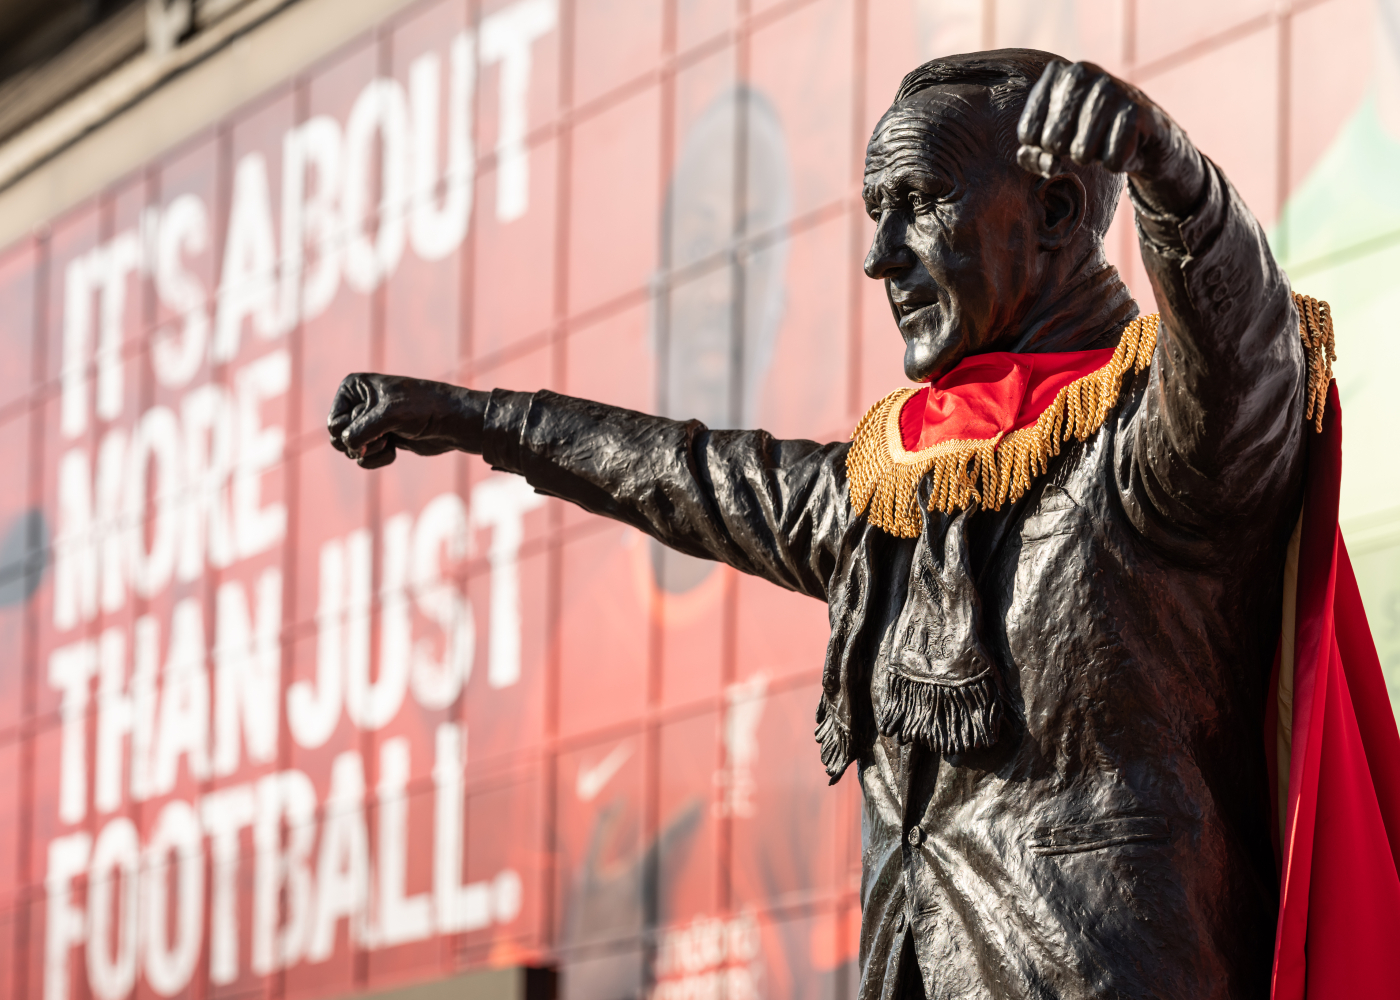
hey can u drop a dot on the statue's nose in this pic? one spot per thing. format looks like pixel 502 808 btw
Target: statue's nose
pixel 889 254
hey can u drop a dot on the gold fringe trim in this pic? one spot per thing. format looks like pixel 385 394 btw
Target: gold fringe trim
pixel 1319 343
pixel 884 478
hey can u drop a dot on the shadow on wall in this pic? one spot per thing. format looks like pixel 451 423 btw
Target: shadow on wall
pixel 24 550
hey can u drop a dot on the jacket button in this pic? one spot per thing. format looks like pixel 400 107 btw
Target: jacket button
pixel 916 836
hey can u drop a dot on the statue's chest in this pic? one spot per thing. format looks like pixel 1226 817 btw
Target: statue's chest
pixel 1036 596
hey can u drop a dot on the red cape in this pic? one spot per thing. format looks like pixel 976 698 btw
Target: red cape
pixel 1334 753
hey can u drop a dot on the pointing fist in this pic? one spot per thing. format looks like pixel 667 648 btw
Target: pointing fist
pixel 1080 111
pixel 375 415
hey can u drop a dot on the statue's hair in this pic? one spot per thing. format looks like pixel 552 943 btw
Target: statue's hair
pixel 1009 75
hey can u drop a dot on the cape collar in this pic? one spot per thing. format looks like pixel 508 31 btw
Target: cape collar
pixel 984 429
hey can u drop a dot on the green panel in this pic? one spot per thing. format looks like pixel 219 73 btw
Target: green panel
pixel 1339 239
pixel 1378 575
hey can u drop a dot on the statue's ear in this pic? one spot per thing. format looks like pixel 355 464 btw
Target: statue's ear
pixel 1060 202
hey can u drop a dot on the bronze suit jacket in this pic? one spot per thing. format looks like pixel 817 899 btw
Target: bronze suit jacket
pixel 1114 841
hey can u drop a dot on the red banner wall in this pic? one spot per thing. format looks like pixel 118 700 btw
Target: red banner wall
pixel 272 725
pixel 282 726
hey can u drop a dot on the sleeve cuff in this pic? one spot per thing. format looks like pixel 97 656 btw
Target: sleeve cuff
pixel 1187 236
pixel 503 429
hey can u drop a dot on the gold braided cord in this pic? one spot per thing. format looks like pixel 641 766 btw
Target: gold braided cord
pixel 884 478
pixel 1319 342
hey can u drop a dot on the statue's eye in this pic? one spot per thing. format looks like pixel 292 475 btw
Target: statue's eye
pixel 921 202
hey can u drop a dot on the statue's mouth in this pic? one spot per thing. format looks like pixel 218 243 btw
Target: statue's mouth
pixel 912 311
pixel 910 302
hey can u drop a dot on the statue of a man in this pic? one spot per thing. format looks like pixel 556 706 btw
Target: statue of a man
pixel 1051 638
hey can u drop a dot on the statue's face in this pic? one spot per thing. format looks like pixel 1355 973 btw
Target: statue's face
pixel 954 237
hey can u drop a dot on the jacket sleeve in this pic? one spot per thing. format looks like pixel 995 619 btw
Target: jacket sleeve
pixel 1216 447
pixel 775 509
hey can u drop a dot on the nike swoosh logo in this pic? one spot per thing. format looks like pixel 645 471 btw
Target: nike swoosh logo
pixel 592 780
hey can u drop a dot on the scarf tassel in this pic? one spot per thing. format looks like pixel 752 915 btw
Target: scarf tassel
pixel 834 739
pixel 949 718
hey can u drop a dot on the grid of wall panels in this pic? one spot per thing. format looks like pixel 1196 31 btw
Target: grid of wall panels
pixel 275 726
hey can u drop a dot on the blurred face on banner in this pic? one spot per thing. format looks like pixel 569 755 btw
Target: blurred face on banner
pixel 713 358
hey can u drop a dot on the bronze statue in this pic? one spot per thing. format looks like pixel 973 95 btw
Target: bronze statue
pixel 1049 649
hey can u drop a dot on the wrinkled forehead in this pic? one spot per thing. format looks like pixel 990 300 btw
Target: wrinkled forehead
pixel 951 127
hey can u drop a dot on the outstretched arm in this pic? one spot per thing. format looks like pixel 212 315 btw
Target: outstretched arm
pixel 1217 442
pixel 776 509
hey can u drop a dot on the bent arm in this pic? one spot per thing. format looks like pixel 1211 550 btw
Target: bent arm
pixel 1217 443
pixel 775 509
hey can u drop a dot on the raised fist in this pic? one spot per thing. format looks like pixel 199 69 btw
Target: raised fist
pixel 1080 111
pixel 375 415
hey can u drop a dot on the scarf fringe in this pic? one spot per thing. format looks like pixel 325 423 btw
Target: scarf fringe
pixel 943 717
pixel 1320 345
pixel 884 478
pixel 834 740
